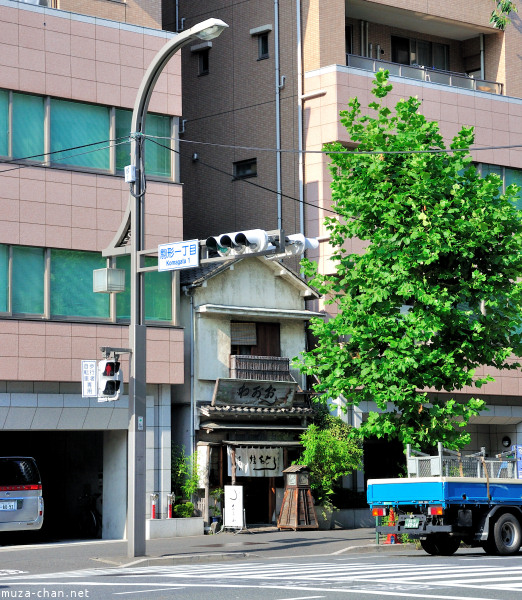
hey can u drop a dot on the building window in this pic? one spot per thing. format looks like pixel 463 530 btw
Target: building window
pixel 24 129
pixel 28 126
pixel 24 271
pixel 507 176
pixel 71 285
pixel 91 125
pixel 4 278
pixel 203 61
pixel 409 51
pixel 245 168
pixel 28 279
pixel 4 123
pixel 158 292
pixel 348 39
pixel 262 40
pixel 158 156
pixel 262 44
pixel 255 339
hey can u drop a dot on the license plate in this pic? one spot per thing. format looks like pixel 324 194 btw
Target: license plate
pixel 8 505
pixel 412 523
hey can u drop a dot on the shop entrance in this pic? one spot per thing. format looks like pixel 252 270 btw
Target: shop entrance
pixel 259 498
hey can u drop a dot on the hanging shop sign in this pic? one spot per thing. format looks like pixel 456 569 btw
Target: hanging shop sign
pixel 256 462
pixel 253 392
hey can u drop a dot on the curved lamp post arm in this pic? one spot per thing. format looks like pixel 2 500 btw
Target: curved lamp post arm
pixel 134 223
pixel 206 30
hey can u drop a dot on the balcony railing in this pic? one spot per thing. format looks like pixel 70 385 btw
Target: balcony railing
pixel 267 368
pixel 48 3
pixel 418 72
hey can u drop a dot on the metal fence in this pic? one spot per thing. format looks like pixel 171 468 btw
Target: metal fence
pixel 449 463
pixel 422 73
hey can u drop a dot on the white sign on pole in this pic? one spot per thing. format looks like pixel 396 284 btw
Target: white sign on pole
pixel 233 513
pixel 89 383
pixel 178 255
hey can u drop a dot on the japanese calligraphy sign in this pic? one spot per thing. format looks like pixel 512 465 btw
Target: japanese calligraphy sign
pixel 89 387
pixel 178 255
pixel 233 512
pixel 256 462
pixel 254 392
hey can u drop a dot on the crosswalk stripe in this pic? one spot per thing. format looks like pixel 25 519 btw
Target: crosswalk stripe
pixel 434 574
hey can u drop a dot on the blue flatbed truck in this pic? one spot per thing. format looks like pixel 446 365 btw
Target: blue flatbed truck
pixel 453 498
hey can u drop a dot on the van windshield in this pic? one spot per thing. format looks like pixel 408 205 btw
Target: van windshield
pixel 18 471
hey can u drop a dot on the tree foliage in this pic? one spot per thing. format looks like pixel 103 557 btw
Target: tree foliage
pixel 330 452
pixel 184 473
pixel 434 295
pixel 500 15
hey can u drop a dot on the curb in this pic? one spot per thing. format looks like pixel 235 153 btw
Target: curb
pixel 366 548
pixel 179 559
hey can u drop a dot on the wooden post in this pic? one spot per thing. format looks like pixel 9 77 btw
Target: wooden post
pixel 233 459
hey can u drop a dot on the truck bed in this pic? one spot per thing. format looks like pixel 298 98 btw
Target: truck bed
pixel 444 491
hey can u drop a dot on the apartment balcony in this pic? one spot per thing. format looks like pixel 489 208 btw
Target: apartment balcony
pixel 264 368
pixel 48 3
pixel 420 73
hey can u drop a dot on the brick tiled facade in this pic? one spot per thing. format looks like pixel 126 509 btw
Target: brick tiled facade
pixel 235 105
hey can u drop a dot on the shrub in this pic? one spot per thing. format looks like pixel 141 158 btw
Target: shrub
pixel 183 511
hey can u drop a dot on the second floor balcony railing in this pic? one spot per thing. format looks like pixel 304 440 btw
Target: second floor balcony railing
pixel 267 368
pixel 460 80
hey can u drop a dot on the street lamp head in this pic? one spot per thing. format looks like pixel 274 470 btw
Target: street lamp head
pixel 209 29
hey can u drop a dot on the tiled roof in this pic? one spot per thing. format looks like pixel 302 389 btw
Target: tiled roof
pixel 254 410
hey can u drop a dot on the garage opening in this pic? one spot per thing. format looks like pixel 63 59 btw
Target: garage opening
pixel 71 466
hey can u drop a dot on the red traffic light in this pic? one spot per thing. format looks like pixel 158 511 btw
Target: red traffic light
pixel 111 368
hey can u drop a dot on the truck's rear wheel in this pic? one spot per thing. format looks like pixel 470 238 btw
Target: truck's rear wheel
pixel 441 544
pixel 507 534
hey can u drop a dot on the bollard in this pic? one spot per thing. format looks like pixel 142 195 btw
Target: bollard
pixel 154 506
pixel 171 498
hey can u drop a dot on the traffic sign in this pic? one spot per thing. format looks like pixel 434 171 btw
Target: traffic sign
pixel 89 387
pixel 178 255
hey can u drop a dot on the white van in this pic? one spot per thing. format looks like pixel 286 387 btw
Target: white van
pixel 21 501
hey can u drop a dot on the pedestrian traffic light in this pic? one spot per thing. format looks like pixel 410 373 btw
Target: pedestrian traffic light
pixel 110 379
pixel 238 242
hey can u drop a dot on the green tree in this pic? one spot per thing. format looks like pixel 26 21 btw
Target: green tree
pixel 330 451
pixel 500 15
pixel 184 473
pixel 434 295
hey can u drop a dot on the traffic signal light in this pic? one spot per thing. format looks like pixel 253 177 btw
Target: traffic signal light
pixel 254 241
pixel 298 243
pixel 110 379
pixel 239 242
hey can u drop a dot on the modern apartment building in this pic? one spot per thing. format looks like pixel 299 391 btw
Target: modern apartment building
pixel 68 83
pixel 258 107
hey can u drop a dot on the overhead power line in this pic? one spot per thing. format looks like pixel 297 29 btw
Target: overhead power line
pixel 328 152
pixel 248 181
pixel 22 165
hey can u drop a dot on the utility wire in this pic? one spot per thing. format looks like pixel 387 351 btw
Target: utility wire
pixel 328 152
pixel 14 161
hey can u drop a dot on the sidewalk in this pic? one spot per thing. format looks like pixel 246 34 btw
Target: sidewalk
pixel 262 542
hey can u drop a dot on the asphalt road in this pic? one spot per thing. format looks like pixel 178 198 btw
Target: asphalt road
pixel 404 574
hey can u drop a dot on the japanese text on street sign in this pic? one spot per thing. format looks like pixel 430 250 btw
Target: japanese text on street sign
pixel 89 387
pixel 178 255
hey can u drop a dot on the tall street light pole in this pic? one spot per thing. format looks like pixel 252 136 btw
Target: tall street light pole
pixel 133 224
